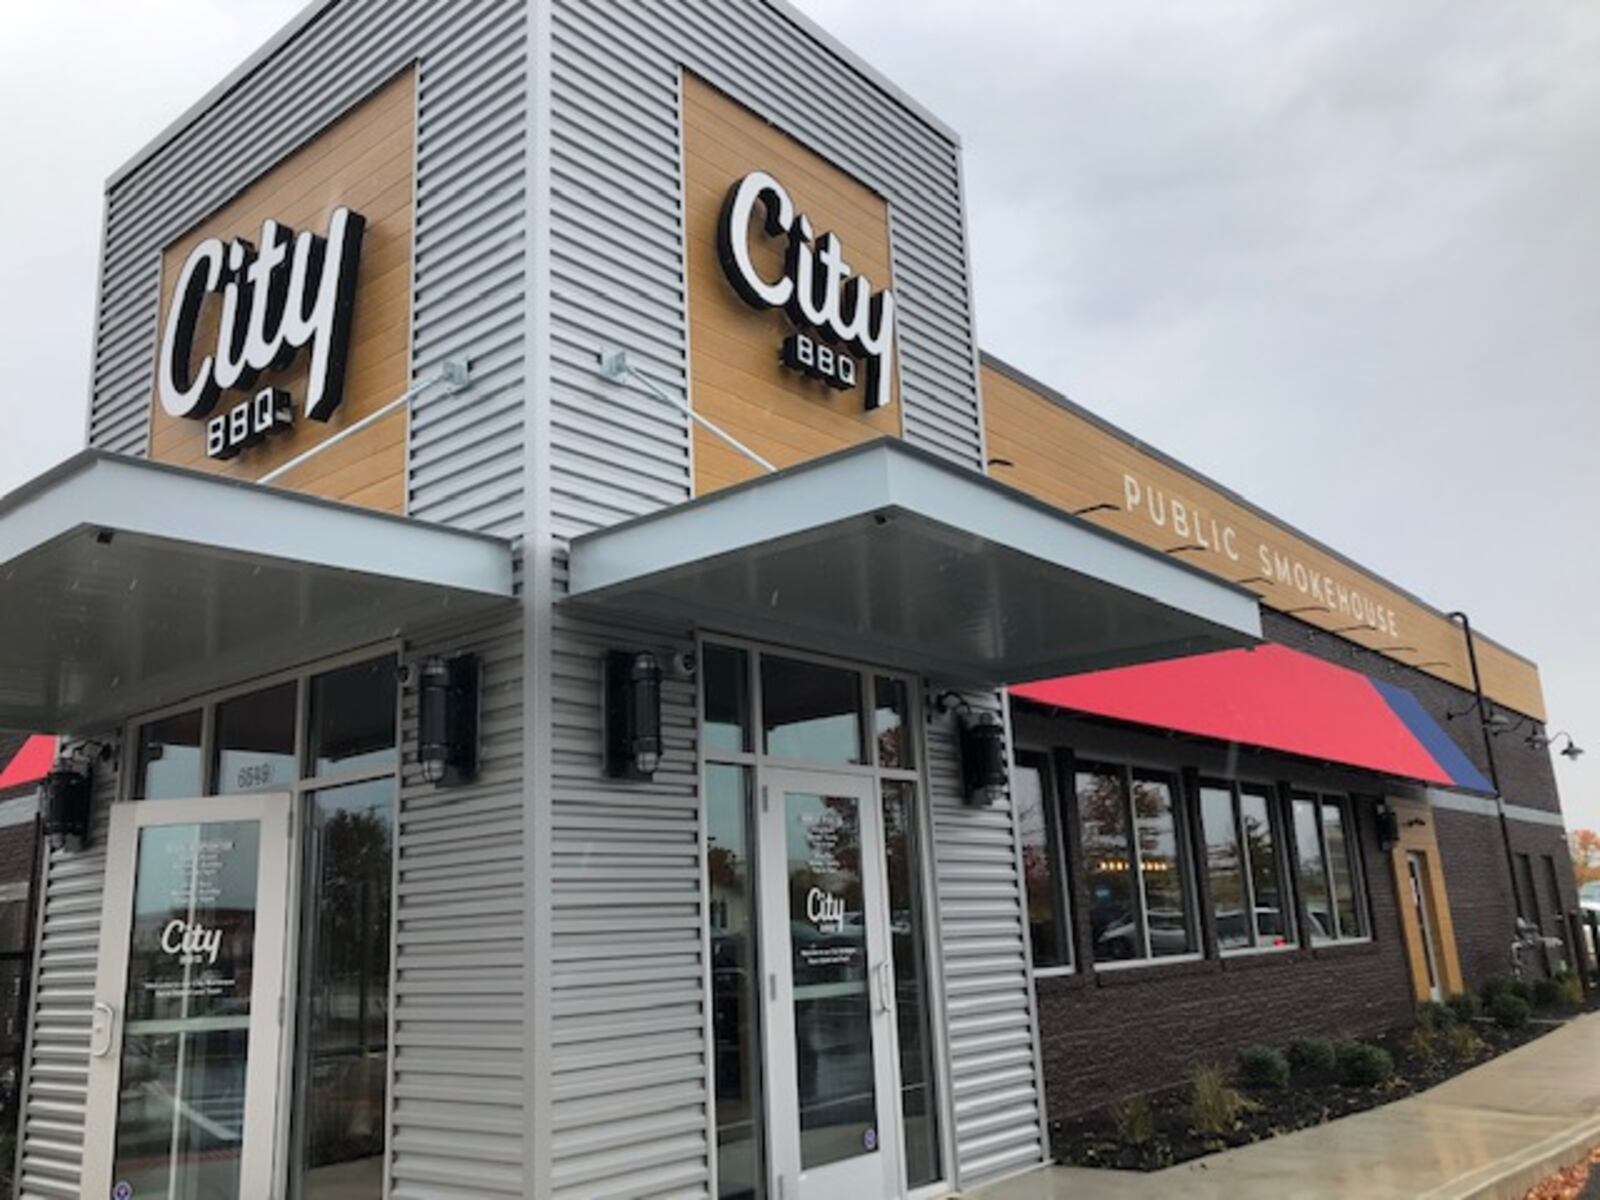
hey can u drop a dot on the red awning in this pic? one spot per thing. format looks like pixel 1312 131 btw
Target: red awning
pixel 1275 698
pixel 29 764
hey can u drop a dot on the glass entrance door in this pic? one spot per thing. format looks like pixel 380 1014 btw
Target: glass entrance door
pixel 190 1001
pixel 834 1083
pixel 1419 899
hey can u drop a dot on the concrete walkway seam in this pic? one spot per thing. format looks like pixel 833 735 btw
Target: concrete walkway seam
pixel 1514 1178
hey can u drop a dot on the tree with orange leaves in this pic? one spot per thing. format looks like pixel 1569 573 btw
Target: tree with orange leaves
pixel 1585 855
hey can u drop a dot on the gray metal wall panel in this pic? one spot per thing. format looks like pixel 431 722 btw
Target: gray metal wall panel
pixel 458 1091
pixel 470 226
pixel 50 1158
pixel 996 1091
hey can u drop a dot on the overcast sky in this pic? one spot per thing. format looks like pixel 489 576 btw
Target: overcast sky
pixel 1343 258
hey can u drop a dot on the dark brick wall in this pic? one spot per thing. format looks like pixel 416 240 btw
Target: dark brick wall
pixel 1110 1034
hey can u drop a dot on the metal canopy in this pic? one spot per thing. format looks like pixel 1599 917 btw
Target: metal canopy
pixel 125 585
pixel 886 553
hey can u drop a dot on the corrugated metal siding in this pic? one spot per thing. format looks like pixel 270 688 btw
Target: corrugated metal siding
pixel 50 1160
pixel 471 219
pixel 627 997
pixel 996 1092
pixel 459 1092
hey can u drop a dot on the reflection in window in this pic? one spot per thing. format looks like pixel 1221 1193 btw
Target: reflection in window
pixel 730 878
pixel 255 740
pixel 1136 867
pixel 727 700
pixel 908 929
pixel 891 723
pixel 1242 868
pixel 1047 931
pixel 344 993
pixel 169 759
pixel 353 718
pixel 1329 871
pixel 810 711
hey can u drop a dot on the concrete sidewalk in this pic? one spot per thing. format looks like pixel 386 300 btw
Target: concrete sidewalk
pixel 1493 1131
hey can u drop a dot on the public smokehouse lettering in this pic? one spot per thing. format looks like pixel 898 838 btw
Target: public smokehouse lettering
pixel 818 290
pixel 289 293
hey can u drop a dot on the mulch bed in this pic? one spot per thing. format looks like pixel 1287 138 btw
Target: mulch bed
pixel 1580 1182
pixel 1093 1140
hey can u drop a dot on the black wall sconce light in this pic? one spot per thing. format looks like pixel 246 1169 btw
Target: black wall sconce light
pixel 985 761
pixel 1388 827
pixel 447 719
pixel 633 714
pixel 65 803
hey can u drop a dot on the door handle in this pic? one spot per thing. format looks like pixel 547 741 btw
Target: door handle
pixel 885 973
pixel 101 1027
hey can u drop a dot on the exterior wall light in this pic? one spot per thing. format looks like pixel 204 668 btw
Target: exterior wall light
pixel 447 719
pixel 985 772
pixel 632 714
pixel 65 803
pixel 1571 751
pixel 1388 827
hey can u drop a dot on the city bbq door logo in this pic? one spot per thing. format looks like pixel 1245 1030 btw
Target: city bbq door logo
pixel 838 317
pixel 290 294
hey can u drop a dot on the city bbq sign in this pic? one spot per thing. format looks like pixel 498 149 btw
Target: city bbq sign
pixel 837 315
pixel 291 294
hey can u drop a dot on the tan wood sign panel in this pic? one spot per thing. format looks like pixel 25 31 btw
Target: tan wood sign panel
pixel 1055 454
pixel 366 163
pixel 736 377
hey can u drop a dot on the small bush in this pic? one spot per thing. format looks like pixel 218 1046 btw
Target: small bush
pixel 1571 990
pixel 1263 1066
pixel 1462 1043
pixel 1312 1054
pixel 1435 1017
pixel 1466 1006
pixel 1510 1011
pixel 1363 1065
pixel 1521 989
pixel 1135 1121
pixel 1547 993
pixel 1214 1104
pixel 1493 986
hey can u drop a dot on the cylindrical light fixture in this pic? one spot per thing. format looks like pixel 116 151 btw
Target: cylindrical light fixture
pixel 447 719
pixel 633 714
pixel 65 802
pixel 984 767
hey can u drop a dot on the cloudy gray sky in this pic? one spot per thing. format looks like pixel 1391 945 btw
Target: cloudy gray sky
pixel 1342 257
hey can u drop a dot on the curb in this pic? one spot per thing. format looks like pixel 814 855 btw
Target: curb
pixel 1513 1178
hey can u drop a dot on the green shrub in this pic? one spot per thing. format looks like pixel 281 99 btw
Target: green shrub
pixel 1509 1011
pixel 1263 1066
pixel 1493 986
pixel 1135 1121
pixel 1521 989
pixel 1435 1017
pixel 1462 1043
pixel 1312 1054
pixel 1424 1043
pixel 1214 1104
pixel 1363 1065
pixel 1547 993
pixel 1571 990
pixel 1466 1006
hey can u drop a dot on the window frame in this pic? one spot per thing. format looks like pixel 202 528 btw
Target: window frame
pixel 1052 802
pixel 1183 837
pixel 1355 858
pixel 1278 821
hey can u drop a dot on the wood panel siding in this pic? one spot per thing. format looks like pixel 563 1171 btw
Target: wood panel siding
pixel 1416 826
pixel 365 162
pixel 1049 449
pixel 736 377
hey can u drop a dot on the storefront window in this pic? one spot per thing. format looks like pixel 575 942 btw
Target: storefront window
pixel 1137 870
pixel 353 718
pixel 735 982
pixel 1330 880
pixel 1041 864
pixel 891 722
pixel 344 992
pixel 726 688
pixel 810 711
pixel 169 759
pixel 255 740
pixel 1242 868
pixel 908 928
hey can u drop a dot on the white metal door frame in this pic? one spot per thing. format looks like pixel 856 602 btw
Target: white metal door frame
pixel 880 1170
pixel 275 895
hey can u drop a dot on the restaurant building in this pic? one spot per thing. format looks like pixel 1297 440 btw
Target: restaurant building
pixel 579 680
